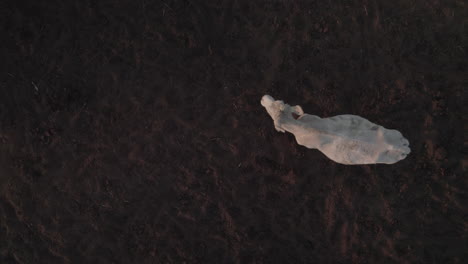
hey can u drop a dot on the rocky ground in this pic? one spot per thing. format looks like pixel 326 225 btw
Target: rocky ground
pixel 132 131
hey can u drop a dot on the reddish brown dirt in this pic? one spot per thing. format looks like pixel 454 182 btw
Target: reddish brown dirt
pixel 132 131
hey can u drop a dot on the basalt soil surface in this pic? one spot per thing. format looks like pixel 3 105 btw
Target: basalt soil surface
pixel 132 131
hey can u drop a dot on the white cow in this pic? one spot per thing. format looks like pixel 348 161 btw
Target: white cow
pixel 346 139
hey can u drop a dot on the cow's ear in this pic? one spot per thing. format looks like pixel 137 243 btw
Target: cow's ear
pixel 298 110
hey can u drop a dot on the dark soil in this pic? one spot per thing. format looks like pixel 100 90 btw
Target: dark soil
pixel 131 131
